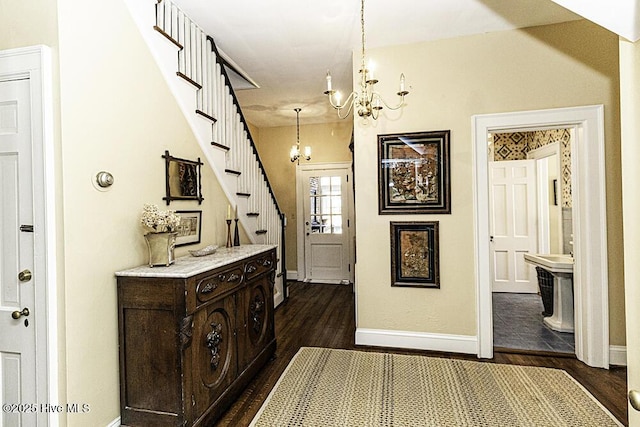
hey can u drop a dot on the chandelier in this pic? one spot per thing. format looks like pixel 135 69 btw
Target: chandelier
pixel 295 154
pixel 367 101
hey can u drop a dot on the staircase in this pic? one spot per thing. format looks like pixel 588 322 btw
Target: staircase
pixel 216 119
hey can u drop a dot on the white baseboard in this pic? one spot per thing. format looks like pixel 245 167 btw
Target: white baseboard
pixel 292 275
pixel 618 355
pixel 114 423
pixel 417 340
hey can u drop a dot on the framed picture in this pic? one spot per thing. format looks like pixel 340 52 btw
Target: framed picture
pixel 190 228
pixel 182 179
pixel 413 173
pixel 415 254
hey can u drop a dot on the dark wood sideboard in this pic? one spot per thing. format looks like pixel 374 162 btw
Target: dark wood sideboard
pixel 192 335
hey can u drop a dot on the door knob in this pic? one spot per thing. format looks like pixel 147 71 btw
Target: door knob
pixel 634 399
pixel 24 276
pixel 18 314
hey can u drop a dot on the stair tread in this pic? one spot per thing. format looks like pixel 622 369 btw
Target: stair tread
pixel 168 37
pixel 189 80
pixel 206 116
pixel 222 146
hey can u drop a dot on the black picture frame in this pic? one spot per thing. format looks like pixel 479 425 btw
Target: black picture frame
pixel 414 173
pixel 415 254
pixel 183 179
pixel 190 228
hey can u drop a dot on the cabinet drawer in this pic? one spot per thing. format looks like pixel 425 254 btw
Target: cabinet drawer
pixel 260 264
pixel 218 283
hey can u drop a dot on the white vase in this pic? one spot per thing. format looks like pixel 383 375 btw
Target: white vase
pixel 161 248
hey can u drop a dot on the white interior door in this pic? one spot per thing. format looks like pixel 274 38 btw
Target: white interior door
pixel 513 229
pixel 17 295
pixel 326 225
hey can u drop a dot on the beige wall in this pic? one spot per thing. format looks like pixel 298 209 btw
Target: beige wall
pixel 329 143
pixel 28 23
pixel 450 81
pixel 115 113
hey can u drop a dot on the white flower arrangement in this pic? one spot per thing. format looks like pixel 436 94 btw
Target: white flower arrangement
pixel 157 221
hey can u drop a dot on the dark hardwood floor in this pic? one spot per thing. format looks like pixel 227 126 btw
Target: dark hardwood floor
pixel 324 316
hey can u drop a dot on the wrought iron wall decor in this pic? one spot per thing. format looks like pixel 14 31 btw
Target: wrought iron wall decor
pixel 414 173
pixel 415 254
pixel 183 179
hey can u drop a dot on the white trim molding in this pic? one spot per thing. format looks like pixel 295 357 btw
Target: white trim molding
pixel 114 423
pixel 417 340
pixel 590 274
pixel 292 275
pixel 618 355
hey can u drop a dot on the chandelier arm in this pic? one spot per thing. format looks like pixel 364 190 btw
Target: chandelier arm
pixel 346 101
pixel 353 101
pixel 376 95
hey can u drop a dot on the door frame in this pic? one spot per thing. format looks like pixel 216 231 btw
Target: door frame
pixel 301 273
pixel 35 64
pixel 591 286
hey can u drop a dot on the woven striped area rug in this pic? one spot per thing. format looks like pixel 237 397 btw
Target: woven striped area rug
pixel 327 387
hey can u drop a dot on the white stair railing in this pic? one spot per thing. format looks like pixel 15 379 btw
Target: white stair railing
pixel 199 64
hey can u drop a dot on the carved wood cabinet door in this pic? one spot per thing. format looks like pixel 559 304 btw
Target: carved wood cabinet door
pixel 214 350
pixel 258 316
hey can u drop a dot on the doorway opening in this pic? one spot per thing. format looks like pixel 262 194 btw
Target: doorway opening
pixel 530 212
pixel 590 274
pixel 325 210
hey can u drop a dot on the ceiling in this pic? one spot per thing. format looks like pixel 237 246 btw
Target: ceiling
pixel 287 46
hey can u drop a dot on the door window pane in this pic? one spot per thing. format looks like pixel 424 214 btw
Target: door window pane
pixel 325 194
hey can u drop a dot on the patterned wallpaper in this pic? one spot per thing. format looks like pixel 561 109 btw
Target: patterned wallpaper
pixel 516 145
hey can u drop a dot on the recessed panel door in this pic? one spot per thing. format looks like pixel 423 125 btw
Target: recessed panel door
pixel 513 225
pixel 17 276
pixel 326 225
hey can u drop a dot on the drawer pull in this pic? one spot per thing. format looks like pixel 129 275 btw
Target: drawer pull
pixel 233 277
pixel 266 263
pixel 208 288
pixel 251 268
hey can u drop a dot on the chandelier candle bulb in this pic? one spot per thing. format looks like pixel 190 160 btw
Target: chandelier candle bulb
pixel 402 91
pixel 307 152
pixel 328 82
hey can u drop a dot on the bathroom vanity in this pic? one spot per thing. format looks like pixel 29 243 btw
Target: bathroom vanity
pixel 193 334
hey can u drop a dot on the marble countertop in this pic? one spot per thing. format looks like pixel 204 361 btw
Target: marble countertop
pixel 188 266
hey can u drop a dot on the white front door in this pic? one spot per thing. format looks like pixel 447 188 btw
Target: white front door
pixel 513 228
pixel 17 294
pixel 326 225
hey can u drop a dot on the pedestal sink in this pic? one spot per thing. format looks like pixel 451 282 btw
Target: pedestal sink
pixel 561 267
